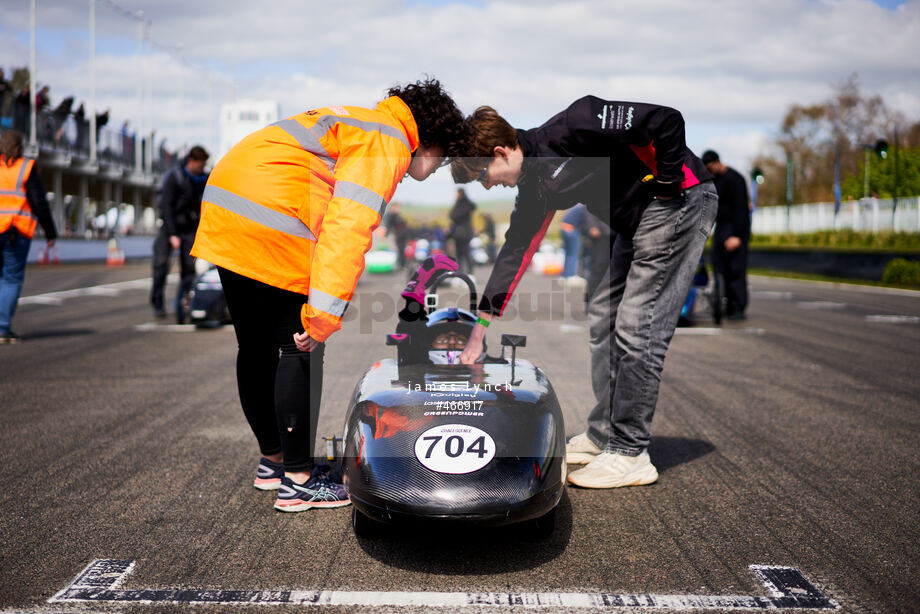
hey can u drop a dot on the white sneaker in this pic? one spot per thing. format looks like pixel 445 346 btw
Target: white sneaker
pixel 612 470
pixel 580 450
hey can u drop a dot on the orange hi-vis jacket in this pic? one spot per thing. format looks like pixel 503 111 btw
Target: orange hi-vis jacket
pixel 14 206
pixel 294 205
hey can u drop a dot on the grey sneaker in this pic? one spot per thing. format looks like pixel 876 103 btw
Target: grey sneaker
pixel 580 450
pixel 612 470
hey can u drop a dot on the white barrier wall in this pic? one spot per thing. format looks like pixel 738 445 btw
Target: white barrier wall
pixel 867 214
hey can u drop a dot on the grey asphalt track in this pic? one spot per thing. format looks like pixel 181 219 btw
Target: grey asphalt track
pixel 787 439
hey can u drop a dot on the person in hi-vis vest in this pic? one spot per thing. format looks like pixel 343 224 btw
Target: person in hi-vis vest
pixel 287 216
pixel 22 206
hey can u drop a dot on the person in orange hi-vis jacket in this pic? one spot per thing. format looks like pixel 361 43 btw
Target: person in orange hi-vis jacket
pixel 287 217
pixel 22 207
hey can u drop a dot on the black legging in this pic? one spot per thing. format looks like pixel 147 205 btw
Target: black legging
pixel 280 386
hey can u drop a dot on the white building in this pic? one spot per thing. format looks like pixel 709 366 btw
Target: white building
pixel 240 118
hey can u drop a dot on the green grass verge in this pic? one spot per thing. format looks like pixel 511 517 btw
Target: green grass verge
pixel 906 242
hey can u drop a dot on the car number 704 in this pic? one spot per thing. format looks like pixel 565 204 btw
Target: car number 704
pixel 454 445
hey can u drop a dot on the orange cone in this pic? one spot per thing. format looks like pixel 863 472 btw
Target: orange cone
pixel 115 257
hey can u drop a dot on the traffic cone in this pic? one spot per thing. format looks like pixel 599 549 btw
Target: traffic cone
pixel 115 257
pixel 43 255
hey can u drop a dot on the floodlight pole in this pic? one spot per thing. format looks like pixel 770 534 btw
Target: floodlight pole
pixel 33 128
pixel 138 154
pixel 92 81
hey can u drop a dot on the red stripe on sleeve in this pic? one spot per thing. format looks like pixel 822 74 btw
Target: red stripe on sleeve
pixel 647 155
pixel 528 256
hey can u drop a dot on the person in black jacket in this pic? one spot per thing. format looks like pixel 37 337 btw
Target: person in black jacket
pixel 461 230
pixel 732 233
pixel 179 202
pixel 629 164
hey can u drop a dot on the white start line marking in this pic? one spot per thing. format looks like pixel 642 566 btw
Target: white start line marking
pixel 114 289
pixel 703 331
pixel 821 305
pixel 772 295
pixel 892 319
pixel 786 588
pixel 149 327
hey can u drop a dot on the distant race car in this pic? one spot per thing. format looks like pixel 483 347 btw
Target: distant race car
pixel 427 438
pixel 710 288
pixel 207 304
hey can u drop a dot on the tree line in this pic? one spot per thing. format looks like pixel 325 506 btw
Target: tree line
pixel 817 142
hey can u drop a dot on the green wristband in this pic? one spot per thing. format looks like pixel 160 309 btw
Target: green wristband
pixel 483 321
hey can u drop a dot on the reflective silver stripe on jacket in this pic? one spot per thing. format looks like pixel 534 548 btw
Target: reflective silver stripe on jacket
pixel 327 303
pixel 308 138
pixel 366 126
pixel 257 213
pixel 361 195
pixel 20 189
pixel 21 179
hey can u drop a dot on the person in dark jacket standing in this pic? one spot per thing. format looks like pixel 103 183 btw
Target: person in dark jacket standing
pixel 461 230
pixel 732 233
pixel 180 209
pixel 629 164
pixel 22 206
pixel 398 228
pixel 488 229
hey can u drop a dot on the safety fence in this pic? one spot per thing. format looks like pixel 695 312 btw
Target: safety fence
pixel 866 214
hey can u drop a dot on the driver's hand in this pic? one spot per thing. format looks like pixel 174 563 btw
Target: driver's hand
pixel 473 349
pixel 304 342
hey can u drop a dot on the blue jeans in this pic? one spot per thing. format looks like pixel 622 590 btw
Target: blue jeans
pixel 633 314
pixel 570 245
pixel 14 251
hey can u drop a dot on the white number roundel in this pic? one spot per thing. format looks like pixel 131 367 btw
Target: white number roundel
pixel 454 448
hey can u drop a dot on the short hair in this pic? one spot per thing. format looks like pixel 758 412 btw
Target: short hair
pixel 710 156
pixel 439 120
pixel 198 153
pixel 486 130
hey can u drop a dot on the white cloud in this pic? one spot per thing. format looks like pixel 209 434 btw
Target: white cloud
pixel 730 67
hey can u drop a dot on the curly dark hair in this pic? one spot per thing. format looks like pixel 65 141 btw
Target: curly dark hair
pixel 439 120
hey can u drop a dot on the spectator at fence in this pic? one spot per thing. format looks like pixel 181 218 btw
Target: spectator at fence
pixel 6 101
pixel 59 115
pixel 79 117
pixel 22 106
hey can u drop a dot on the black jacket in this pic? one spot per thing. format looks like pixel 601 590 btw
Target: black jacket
pixel 595 152
pixel 179 200
pixel 734 216
pixel 461 215
pixel 38 203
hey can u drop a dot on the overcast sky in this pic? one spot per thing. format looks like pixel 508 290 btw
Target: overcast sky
pixel 731 67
